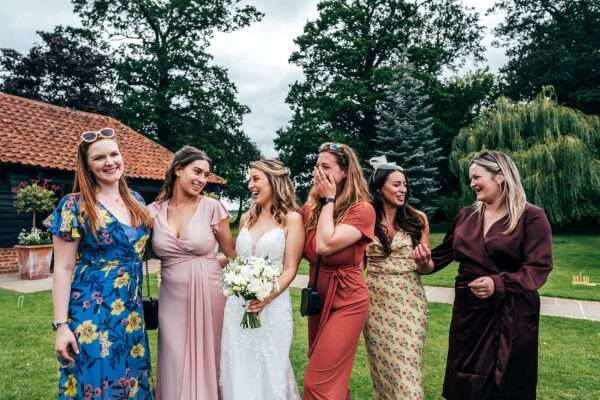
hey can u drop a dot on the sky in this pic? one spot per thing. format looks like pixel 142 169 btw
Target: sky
pixel 256 57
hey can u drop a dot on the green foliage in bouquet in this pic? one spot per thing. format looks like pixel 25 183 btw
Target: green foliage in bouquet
pixel 556 148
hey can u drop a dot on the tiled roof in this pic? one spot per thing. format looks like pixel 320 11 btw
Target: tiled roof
pixel 43 135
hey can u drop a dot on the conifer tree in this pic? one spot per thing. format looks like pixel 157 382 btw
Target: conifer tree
pixel 405 136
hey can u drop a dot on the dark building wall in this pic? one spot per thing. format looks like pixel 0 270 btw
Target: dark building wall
pixel 11 223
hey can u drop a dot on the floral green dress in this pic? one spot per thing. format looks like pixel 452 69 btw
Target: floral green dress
pixel 105 307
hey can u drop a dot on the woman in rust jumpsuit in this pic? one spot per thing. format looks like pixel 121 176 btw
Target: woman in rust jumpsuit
pixel 340 223
pixel 504 247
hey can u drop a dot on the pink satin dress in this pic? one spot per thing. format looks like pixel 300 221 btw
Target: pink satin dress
pixel 191 304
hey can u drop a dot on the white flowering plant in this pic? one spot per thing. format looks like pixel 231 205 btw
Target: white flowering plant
pixel 250 278
pixel 34 237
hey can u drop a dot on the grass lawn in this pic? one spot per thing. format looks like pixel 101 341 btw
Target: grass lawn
pixel 569 353
pixel 572 254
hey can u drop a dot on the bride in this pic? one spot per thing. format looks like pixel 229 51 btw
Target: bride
pixel 255 363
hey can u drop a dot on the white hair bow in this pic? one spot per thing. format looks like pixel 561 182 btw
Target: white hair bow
pixel 381 162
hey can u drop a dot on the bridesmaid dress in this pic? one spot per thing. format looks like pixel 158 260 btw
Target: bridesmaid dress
pixel 191 304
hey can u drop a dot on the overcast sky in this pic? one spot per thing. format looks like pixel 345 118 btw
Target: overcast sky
pixel 256 57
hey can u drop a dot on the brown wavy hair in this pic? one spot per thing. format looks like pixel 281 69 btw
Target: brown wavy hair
pixel 183 157
pixel 354 187
pixel 284 193
pixel 407 217
pixel 85 184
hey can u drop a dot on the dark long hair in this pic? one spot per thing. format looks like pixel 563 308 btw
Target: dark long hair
pixel 407 218
pixel 183 157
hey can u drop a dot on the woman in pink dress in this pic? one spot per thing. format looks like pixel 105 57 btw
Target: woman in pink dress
pixel 187 228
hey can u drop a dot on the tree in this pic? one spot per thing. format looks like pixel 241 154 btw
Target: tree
pixel 405 136
pixel 70 68
pixel 556 148
pixel 170 90
pixel 234 165
pixel 455 102
pixel 347 56
pixel 552 43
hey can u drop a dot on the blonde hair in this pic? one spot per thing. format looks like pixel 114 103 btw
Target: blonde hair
pixel 85 183
pixel 354 187
pixel 513 193
pixel 284 195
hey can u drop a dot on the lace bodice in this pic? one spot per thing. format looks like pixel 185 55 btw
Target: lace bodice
pixel 270 244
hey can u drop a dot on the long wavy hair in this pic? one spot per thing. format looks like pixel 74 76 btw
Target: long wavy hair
pixel 284 195
pixel 513 194
pixel 183 157
pixel 85 184
pixel 407 218
pixel 354 188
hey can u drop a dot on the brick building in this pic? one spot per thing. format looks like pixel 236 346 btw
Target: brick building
pixel 39 141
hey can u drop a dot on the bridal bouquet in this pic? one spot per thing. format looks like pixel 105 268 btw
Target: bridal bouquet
pixel 250 278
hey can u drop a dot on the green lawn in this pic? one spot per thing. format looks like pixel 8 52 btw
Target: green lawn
pixel 572 254
pixel 569 353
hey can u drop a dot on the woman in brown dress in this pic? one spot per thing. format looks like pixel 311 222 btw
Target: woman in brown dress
pixel 397 324
pixel 504 247
pixel 340 224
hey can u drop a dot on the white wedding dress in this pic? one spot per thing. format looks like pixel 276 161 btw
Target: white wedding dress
pixel 255 363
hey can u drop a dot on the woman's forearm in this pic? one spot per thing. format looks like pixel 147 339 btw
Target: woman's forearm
pixel 61 291
pixel 325 226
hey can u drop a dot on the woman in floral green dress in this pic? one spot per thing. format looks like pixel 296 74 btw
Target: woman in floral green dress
pixel 397 325
pixel 100 233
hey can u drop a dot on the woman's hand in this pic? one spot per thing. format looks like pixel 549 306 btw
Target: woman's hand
pixel 324 183
pixel 482 287
pixel 63 342
pixel 223 260
pixel 422 256
pixel 256 306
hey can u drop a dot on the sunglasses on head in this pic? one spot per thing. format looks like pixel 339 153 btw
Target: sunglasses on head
pixel 92 136
pixel 332 147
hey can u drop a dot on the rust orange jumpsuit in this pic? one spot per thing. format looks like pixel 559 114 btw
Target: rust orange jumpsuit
pixel 333 335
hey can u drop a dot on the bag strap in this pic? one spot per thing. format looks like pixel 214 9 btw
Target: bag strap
pixel 147 277
pixel 146 267
pixel 317 266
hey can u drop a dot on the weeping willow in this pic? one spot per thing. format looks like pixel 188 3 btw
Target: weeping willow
pixel 557 151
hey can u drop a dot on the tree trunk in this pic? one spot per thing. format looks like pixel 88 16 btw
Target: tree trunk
pixel 239 214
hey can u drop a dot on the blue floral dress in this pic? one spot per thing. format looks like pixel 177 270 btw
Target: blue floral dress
pixel 105 307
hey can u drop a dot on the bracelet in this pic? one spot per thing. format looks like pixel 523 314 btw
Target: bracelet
pixel 326 200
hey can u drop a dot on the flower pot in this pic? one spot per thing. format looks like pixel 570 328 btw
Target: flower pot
pixel 34 261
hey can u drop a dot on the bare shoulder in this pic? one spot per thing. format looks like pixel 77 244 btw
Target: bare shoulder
pixel 294 217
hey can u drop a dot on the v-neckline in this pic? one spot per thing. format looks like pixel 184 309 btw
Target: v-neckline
pixel 253 242
pixel 187 227
pixel 113 216
pixel 486 233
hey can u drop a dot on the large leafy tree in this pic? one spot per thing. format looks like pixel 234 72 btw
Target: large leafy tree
pixel 552 43
pixel 456 102
pixel 347 55
pixel 556 148
pixel 405 136
pixel 170 89
pixel 69 68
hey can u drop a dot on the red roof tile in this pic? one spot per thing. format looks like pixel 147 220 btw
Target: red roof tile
pixel 43 135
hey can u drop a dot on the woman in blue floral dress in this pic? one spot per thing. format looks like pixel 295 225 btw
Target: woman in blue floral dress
pixel 100 233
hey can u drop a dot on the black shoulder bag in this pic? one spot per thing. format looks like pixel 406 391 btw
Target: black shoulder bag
pixel 150 303
pixel 310 301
